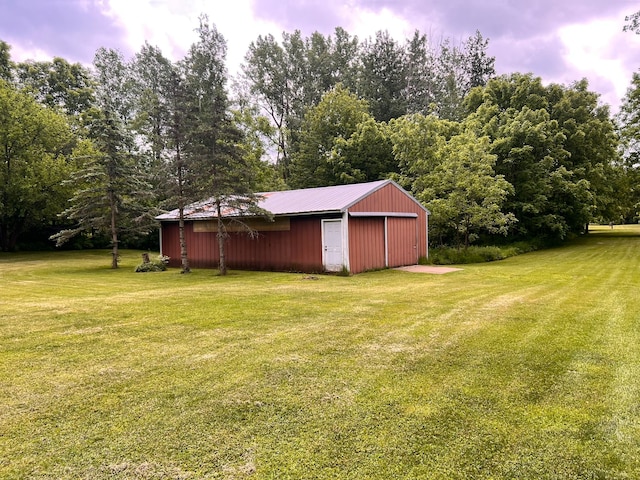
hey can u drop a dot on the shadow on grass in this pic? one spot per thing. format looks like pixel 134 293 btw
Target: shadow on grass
pixel 617 231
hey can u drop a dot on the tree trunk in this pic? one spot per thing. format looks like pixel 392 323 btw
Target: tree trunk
pixel 114 231
pixel 4 239
pixel 10 231
pixel 222 266
pixel 184 259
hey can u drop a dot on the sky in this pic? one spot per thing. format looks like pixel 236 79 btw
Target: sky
pixel 560 41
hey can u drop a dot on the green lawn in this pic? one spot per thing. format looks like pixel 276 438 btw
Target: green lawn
pixel 527 368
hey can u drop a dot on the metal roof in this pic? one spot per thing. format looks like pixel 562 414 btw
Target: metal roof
pixel 294 202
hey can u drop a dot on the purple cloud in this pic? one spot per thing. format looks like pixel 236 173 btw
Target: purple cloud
pixel 68 29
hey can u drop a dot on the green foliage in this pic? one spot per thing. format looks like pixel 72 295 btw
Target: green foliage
pixel 629 131
pixel 555 145
pixel 462 191
pixel 152 75
pixel 365 156
pixel 480 67
pixel 67 88
pixel 265 71
pixel 443 255
pixel 109 189
pixel 319 104
pixel 6 65
pixel 115 87
pixel 340 143
pixel 383 77
pixel 35 143
pixel 289 77
pixel 454 178
pixel 158 264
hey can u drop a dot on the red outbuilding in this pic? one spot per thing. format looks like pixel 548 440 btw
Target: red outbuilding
pixel 356 227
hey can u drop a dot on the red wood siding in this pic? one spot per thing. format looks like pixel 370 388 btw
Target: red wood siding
pixel 366 244
pixel 170 242
pixel 402 240
pixel 391 199
pixel 298 249
pixel 386 199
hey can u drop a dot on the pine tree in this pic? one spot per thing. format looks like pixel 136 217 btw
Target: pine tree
pixel 110 191
pixel 214 142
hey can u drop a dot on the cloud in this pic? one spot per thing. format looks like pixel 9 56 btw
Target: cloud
pixel 558 41
pixel 600 51
pixel 532 55
pixel 305 15
pixel 72 29
pixel 171 25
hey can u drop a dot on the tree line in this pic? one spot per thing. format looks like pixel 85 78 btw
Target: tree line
pixel 91 155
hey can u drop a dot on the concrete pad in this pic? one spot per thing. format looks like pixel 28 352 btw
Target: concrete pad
pixel 434 269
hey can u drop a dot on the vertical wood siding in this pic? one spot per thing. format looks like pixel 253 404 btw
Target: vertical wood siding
pixel 402 241
pixel 299 249
pixel 390 199
pixel 366 244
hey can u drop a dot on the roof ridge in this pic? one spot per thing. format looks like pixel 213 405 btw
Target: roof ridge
pixel 346 185
pixel 330 199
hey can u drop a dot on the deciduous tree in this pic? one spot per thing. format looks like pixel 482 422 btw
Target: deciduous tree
pixel 628 121
pixel 554 144
pixel 58 84
pixel 333 135
pixel 34 146
pixel 450 170
pixel 266 71
pixel 383 77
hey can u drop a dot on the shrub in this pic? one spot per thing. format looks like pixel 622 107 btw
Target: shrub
pixel 159 264
pixel 476 254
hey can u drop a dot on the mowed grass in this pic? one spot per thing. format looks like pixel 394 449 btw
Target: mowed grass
pixel 524 368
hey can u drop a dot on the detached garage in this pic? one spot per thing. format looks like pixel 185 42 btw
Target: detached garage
pixel 355 227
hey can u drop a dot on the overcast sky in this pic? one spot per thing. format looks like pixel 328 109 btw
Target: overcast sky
pixel 558 40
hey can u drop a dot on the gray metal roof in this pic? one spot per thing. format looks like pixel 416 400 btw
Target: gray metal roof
pixel 295 202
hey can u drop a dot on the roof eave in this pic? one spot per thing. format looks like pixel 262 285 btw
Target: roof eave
pixel 295 214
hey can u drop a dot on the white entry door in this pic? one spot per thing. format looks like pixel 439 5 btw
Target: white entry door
pixel 332 245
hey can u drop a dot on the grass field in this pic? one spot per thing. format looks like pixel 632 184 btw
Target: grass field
pixel 527 368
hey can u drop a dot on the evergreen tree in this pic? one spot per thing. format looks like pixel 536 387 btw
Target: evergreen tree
pixel 420 75
pixel 214 142
pixel 480 67
pixel 109 190
pixel 111 193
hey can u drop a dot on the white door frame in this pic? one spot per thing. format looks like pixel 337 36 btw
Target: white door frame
pixel 344 244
